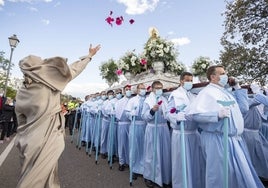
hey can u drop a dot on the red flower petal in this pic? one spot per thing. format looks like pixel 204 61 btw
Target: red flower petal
pixel 118 21
pixel 172 110
pixel 148 88
pixel 109 20
pixel 143 61
pixel 159 102
pixel 131 21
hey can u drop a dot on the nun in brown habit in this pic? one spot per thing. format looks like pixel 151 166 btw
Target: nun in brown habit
pixel 41 138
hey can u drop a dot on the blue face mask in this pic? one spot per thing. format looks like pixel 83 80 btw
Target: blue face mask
pixel 98 97
pixel 128 93
pixel 223 80
pixel 110 97
pixel 142 92
pixel 118 95
pixel 103 97
pixel 158 92
pixel 187 85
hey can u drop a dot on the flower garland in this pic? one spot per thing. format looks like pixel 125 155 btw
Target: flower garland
pixel 108 71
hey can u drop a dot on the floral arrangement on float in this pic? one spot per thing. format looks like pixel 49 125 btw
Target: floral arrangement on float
pixel 162 50
pixel 200 66
pixel 108 71
pixel 131 63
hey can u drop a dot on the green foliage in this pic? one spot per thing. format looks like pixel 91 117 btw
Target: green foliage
pixel 245 40
pixel 108 71
pixel 3 68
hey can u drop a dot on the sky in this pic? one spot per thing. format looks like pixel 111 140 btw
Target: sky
pixel 49 28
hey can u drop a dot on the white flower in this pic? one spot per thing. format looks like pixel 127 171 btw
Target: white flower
pixel 204 65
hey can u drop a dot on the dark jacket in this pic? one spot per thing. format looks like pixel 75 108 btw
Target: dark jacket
pixel 8 112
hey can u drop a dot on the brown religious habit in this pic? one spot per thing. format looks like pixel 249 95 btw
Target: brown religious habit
pixel 41 138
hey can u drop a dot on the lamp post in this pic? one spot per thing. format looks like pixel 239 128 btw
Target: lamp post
pixel 13 42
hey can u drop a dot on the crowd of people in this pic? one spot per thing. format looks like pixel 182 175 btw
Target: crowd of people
pixel 216 138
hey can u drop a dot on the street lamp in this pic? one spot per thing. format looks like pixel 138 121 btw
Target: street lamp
pixel 13 42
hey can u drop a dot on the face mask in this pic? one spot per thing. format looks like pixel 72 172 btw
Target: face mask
pixel 142 92
pixel 223 80
pixel 103 97
pixel 187 85
pixel 158 92
pixel 98 97
pixel 110 97
pixel 128 93
pixel 118 95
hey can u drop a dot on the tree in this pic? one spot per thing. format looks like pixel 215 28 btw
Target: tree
pixel 245 40
pixel 3 68
pixel 108 71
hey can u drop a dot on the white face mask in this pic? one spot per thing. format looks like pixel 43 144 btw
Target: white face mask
pixel 187 85
pixel 223 80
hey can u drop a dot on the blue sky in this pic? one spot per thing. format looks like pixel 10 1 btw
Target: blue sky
pixel 50 28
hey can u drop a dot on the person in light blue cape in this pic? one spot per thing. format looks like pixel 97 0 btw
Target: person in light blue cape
pixel 194 163
pixel 136 149
pixel 256 143
pixel 123 128
pixel 106 110
pixel 209 114
pixel 157 154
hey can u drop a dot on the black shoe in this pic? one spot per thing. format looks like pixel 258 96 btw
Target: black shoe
pixel 121 167
pixel 148 183
pixel 134 176
pixel 83 143
pixel 167 185
pixel 103 156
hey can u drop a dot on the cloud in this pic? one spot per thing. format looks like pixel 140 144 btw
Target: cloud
pixel 45 21
pixel 2 3
pixel 180 41
pixel 139 6
pixel 33 9
pixel 81 90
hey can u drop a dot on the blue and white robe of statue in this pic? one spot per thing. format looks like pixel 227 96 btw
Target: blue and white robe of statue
pixel 162 139
pixel 122 131
pixel 136 149
pixel 204 109
pixel 193 155
pixel 256 143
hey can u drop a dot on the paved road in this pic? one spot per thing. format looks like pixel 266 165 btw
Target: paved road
pixel 76 170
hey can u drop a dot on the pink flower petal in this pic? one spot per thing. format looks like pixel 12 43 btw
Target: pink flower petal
pixel 159 102
pixel 119 72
